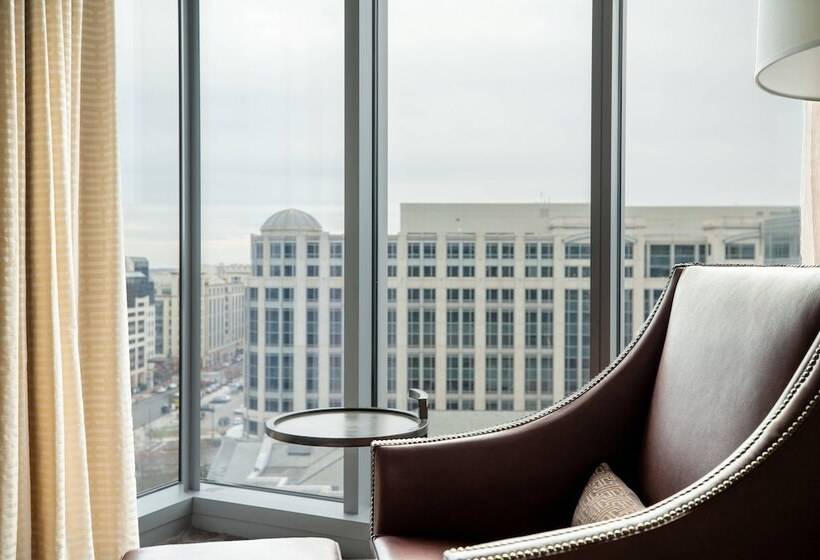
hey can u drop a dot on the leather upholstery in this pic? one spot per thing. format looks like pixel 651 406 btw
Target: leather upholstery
pixel 735 338
pixel 392 548
pixel 267 549
pixel 720 447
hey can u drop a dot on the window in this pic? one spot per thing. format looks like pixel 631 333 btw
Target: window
pixel 335 373
pixel 475 192
pixel 659 261
pixel 148 139
pixel 391 328
pixel 267 135
pixel 414 250
pixel 743 192
pixel 453 250
pixel 335 339
pixel 275 250
pixel 494 212
pixel 744 251
pixel 272 372
pixel 312 373
pixel 576 250
pixel 491 251
pixel 312 327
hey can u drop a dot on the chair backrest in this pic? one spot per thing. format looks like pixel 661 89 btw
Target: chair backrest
pixel 736 336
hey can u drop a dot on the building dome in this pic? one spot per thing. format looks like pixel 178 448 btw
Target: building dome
pixel 291 220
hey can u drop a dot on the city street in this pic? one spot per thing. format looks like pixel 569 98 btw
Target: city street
pixel 150 408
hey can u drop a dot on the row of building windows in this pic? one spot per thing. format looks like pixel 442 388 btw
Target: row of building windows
pixel 287 250
pixel 285 295
pixel 279 326
pixel 278 372
pixel 289 270
pixel 492 250
pixel 460 373
pixel 467 295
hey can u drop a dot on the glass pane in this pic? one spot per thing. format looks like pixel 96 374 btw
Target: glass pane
pixel 712 162
pixel 272 243
pixel 147 97
pixel 488 198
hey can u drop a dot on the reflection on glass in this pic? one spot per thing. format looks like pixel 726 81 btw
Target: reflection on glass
pixel 272 245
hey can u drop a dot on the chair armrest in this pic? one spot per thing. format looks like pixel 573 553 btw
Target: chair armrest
pixel 525 476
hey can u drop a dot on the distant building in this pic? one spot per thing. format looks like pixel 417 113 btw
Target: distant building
pixel 488 305
pixel 222 313
pixel 141 321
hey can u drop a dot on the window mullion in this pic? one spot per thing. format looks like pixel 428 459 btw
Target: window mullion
pixel 190 258
pixel 606 200
pixel 359 224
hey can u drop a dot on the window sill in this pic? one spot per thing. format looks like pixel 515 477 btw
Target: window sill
pixel 251 514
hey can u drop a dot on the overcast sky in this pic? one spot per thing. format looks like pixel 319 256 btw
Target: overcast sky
pixel 488 102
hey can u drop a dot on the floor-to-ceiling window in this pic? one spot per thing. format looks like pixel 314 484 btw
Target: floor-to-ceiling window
pixel 711 161
pixel 488 174
pixel 272 117
pixel 487 259
pixel 148 101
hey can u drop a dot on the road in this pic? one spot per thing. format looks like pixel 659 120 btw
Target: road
pixel 210 420
pixel 149 409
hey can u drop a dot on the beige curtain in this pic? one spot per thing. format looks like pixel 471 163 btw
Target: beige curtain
pixel 810 190
pixel 67 487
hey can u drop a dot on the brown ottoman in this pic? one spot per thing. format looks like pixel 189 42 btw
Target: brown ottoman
pixel 267 549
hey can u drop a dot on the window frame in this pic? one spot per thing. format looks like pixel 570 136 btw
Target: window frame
pixel 365 251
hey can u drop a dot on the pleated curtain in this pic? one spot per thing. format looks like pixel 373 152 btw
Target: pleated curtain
pixel 810 191
pixel 67 485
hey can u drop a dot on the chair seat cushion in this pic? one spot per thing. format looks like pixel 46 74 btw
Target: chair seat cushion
pixel 395 548
pixel 605 497
pixel 267 549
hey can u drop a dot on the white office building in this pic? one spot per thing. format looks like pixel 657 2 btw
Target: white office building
pixel 488 305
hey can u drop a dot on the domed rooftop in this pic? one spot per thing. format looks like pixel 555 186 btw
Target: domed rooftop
pixel 291 220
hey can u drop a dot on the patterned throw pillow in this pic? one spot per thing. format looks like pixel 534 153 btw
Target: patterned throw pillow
pixel 605 497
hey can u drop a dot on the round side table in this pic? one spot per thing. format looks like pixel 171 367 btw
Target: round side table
pixel 349 427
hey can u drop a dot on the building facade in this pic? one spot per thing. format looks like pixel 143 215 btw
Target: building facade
pixel 222 314
pixel 141 321
pixel 488 305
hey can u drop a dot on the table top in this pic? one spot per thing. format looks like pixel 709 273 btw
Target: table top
pixel 345 427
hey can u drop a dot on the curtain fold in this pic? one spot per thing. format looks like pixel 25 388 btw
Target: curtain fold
pixel 810 188
pixel 67 485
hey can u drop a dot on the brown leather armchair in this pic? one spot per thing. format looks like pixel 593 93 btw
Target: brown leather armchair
pixel 710 415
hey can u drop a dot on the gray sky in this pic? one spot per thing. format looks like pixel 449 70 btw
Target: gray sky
pixel 488 102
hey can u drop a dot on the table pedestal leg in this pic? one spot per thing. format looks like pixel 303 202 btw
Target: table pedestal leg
pixel 351 480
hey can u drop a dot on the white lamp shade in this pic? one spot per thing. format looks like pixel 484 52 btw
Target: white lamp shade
pixel 788 48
